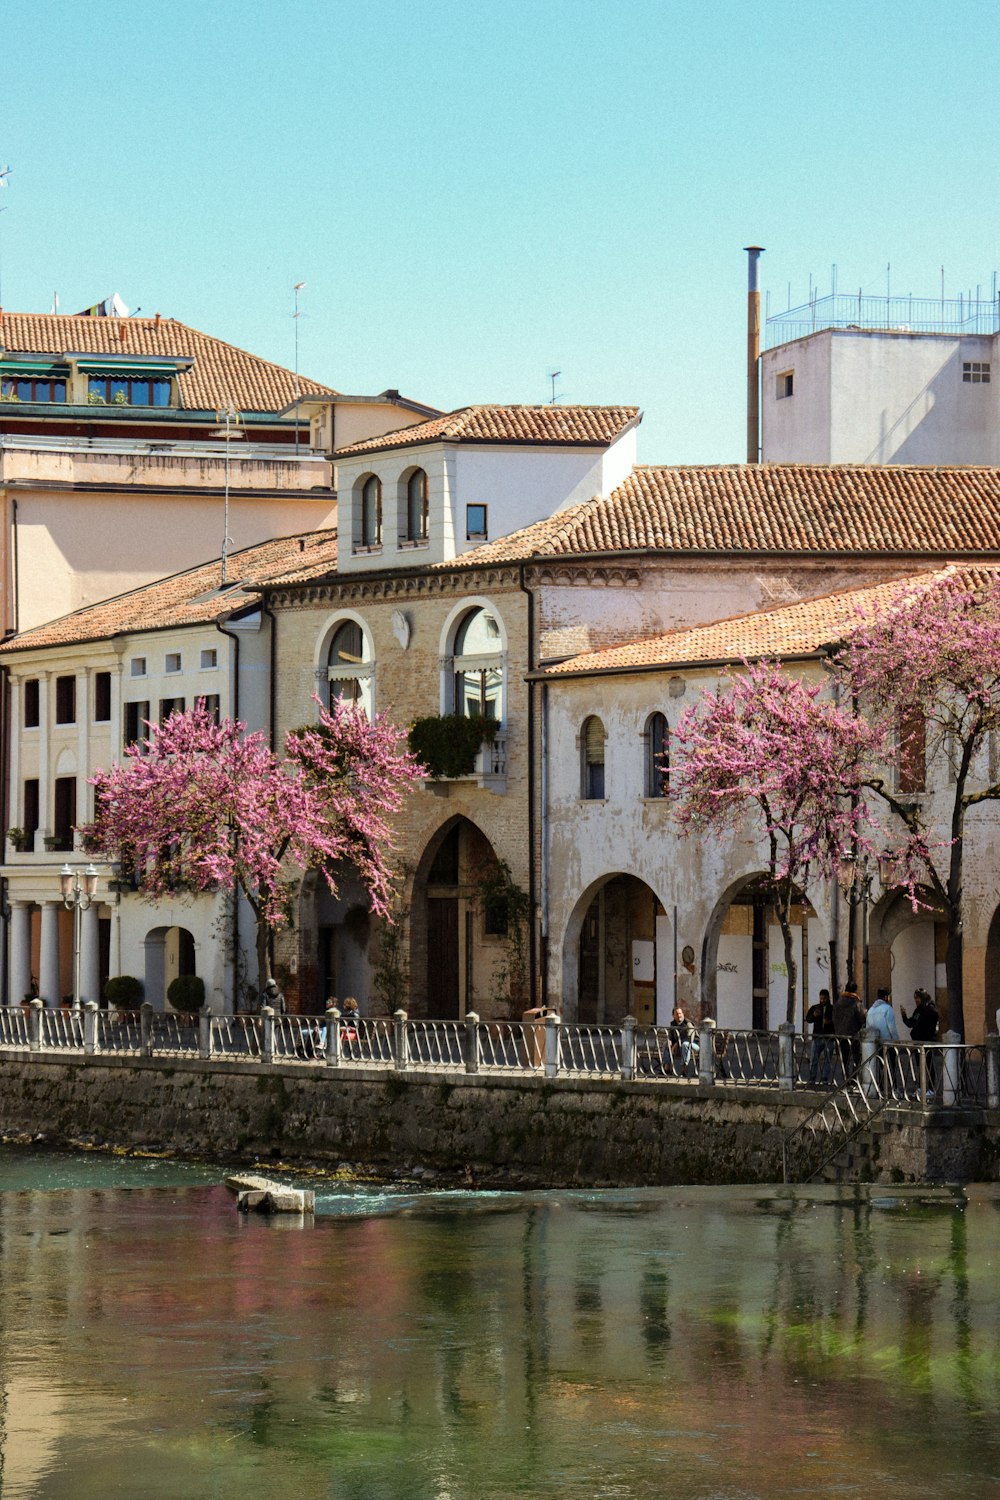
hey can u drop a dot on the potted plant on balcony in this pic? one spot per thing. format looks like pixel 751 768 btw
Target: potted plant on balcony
pixel 52 841
pixel 447 744
pixel 20 840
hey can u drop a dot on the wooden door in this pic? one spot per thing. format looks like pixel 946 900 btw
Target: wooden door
pixel 442 958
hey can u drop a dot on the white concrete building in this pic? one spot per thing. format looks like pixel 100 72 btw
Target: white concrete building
pixel 858 396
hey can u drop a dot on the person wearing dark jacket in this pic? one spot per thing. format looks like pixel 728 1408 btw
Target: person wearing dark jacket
pixel 820 1016
pixel 923 1025
pixel 848 1019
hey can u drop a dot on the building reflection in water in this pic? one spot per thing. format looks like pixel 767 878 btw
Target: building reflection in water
pixel 518 1345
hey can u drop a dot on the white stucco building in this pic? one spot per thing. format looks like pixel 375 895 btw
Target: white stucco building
pixel 859 396
pixel 82 688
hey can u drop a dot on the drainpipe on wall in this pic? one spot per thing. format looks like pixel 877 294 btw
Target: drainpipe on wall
pixel 535 923
pixel 231 635
pixel 754 252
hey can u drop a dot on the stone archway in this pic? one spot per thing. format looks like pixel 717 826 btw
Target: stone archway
pixel 459 958
pixel 908 948
pixel 618 955
pixel 744 976
pixel 169 953
pixel 991 984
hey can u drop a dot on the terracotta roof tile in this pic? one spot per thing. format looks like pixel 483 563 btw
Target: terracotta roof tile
pixel 789 630
pixel 190 598
pixel 222 374
pixel 582 426
pixel 786 508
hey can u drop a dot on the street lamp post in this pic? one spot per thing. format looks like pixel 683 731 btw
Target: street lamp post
pixel 77 898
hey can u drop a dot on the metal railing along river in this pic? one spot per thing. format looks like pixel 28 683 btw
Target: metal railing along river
pixel 906 1075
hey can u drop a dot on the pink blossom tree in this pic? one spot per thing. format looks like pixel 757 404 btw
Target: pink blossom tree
pixel 206 806
pixel 926 675
pixel 770 752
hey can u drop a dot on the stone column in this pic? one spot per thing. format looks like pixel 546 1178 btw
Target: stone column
pixel 19 982
pixel 90 964
pixel 48 962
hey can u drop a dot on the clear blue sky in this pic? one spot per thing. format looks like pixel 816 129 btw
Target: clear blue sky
pixel 476 193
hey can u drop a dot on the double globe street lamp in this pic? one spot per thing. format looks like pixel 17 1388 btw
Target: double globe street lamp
pixel 78 897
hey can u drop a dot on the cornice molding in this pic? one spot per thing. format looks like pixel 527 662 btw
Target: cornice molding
pixel 411 586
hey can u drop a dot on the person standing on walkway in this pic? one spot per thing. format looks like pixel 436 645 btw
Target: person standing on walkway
pixel 848 1019
pixel 882 1019
pixel 820 1016
pixel 923 1026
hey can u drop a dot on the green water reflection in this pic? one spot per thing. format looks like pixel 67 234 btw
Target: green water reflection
pixel 712 1343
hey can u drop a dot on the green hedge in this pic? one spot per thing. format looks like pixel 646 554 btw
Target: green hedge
pixel 186 992
pixel 447 744
pixel 125 991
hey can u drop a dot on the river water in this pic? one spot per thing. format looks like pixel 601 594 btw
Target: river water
pixel 717 1344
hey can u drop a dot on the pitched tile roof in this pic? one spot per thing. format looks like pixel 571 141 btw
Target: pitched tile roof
pixel 193 597
pixel 580 426
pixel 789 630
pixel 222 374
pixel 774 508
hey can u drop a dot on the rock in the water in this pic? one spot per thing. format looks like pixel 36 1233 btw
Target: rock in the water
pixel 261 1195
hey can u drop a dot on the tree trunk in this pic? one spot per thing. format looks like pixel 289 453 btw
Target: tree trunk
pixel 783 911
pixel 263 958
pixel 953 972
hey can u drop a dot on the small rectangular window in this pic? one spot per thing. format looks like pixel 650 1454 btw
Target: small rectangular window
pixel 136 715
pixel 475 523
pixel 102 697
pixel 209 659
pixel 31 701
pixel 30 816
pixel 137 666
pixel 785 384
pixel 172 662
pixel 65 700
pixel 976 372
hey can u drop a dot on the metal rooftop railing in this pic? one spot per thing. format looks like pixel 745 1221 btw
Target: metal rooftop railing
pixel 884 314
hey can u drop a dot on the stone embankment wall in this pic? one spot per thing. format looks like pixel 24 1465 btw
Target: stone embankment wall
pixel 560 1132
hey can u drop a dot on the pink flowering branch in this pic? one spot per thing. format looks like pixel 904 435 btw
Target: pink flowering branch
pixel 926 675
pixel 209 806
pixel 770 749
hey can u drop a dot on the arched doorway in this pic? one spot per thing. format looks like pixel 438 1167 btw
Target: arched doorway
pixel 745 976
pixel 991 991
pixel 169 953
pixel 460 942
pixel 618 955
pixel 908 950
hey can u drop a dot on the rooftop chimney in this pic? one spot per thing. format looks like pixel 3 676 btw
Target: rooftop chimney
pixel 754 252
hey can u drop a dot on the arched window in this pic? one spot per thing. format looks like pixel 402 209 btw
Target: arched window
pixel 656 743
pixel 592 745
pixel 371 512
pixel 478 666
pixel 349 667
pixel 416 507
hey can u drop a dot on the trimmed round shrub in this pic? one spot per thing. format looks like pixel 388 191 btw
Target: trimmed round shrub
pixel 186 992
pixel 124 991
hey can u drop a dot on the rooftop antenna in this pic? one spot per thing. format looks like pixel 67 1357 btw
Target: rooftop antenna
pixel 297 288
pixel 553 376
pixel 4 174
pixel 230 416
